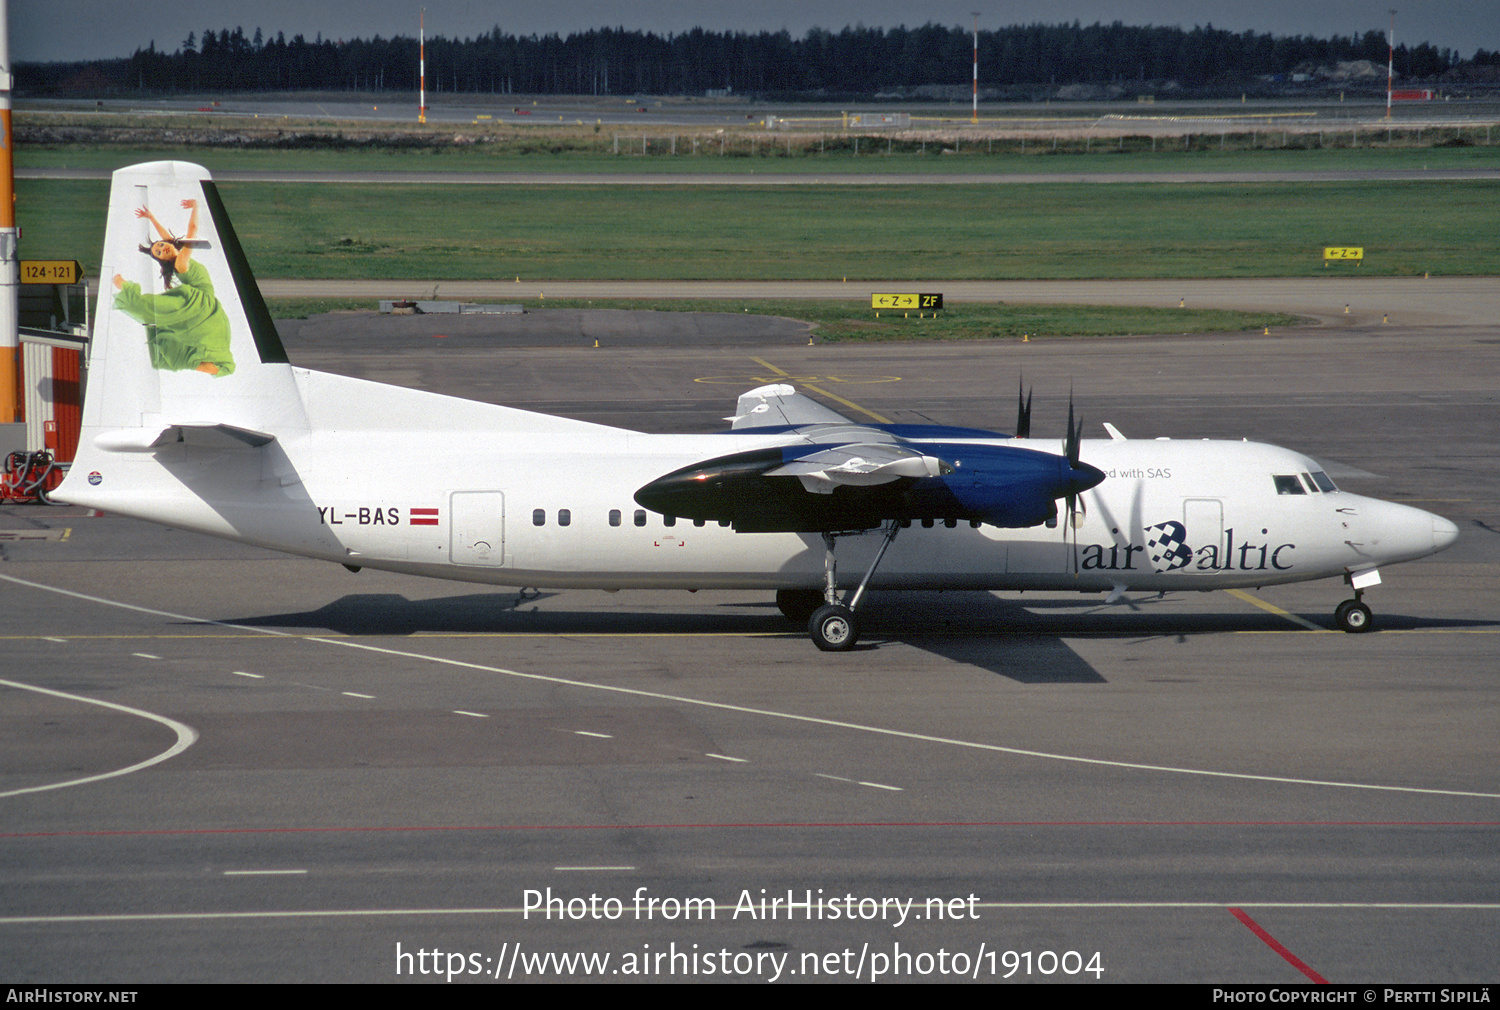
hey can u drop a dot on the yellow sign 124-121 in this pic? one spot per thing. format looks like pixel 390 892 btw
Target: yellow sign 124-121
pixel 50 272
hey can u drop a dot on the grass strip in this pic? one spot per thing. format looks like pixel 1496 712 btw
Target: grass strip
pixel 910 232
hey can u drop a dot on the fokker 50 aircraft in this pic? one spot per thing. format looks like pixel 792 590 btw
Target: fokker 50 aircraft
pixel 195 419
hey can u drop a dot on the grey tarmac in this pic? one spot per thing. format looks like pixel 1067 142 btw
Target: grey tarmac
pixel 382 760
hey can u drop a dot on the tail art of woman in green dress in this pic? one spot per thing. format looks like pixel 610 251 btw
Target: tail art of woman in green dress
pixel 186 327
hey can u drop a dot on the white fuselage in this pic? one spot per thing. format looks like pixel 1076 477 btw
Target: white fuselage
pixel 447 497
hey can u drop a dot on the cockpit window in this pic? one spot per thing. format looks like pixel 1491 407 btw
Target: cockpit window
pixel 1288 484
pixel 1321 479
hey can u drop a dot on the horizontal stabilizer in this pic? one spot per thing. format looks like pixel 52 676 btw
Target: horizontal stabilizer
pixel 200 436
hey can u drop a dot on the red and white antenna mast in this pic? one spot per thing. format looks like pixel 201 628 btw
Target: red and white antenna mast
pixel 422 66
pixel 1390 63
pixel 974 117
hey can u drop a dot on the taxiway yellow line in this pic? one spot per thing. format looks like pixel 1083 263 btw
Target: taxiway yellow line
pixel 1240 594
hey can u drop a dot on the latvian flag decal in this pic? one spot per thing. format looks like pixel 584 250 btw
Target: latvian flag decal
pixel 422 517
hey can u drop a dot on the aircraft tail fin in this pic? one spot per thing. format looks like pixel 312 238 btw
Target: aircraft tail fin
pixel 183 349
pixel 182 335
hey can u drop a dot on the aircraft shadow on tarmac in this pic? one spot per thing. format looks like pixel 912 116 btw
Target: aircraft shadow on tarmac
pixel 975 629
pixel 1023 640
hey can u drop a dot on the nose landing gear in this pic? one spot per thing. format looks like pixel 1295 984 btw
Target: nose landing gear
pixel 1354 615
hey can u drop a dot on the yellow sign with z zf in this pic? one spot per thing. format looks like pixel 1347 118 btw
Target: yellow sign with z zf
pixel 928 302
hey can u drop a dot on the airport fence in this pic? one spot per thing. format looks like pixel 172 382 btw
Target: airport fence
pixel 1071 140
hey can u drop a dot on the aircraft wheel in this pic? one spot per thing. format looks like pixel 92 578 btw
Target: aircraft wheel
pixel 797 605
pixel 1354 617
pixel 833 628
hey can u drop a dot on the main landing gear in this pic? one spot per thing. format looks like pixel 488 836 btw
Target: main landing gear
pixel 1354 615
pixel 832 625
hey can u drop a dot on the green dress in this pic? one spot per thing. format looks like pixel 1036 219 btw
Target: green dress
pixel 185 325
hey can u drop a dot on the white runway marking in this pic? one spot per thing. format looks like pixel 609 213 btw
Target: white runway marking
pixel 857 782
pixel 884 731
pixel 768 713
pixel 186 735
pixel 263 873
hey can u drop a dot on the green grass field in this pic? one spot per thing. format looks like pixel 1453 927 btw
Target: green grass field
pixel 1044 231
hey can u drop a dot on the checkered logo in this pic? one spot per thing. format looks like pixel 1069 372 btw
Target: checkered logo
pixel 1167 545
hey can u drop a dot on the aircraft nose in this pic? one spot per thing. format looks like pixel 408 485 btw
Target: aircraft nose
pixel 1444 533
pixel 1398 532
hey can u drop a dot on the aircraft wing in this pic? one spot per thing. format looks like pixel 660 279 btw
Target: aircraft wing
pixel 830 473
pixel 778 404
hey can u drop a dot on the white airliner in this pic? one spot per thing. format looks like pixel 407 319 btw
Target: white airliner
pixel 195 419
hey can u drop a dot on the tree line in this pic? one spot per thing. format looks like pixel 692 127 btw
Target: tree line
pixel 856 60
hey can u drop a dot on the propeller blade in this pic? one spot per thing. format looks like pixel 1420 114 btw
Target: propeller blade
pixel 1083 475
pixel 1070 444
pixel 1023 411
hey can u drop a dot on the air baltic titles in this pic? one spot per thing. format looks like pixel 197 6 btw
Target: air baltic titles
pixel 194 418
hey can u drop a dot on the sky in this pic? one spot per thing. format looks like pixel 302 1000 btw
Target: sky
pixel 43 30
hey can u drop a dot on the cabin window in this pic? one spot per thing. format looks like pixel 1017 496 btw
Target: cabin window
pixel 723 522
pixel 699 522
pixel 669 520
pixel 614 517
pixel 564 517
pixel 927 524
pixel 640 517
pixel 1288 484
pixel 539 517
pixel 951 523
